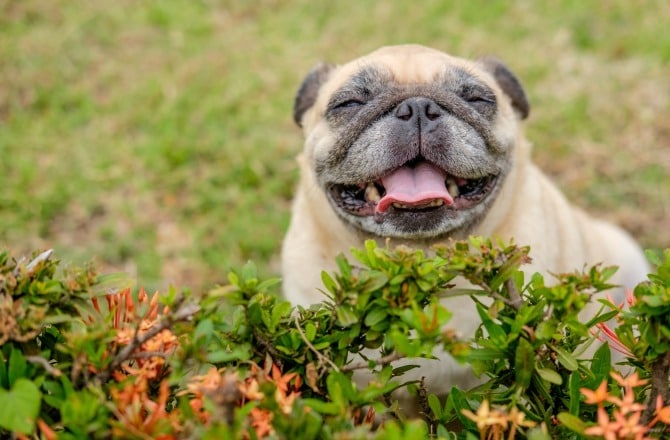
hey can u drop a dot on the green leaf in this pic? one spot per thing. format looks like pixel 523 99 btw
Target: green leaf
pixel 602 362
pixel 507 270
pixel 4 382
pixel 435 405
pixel 377 281
pixel 495 331
pixel 340 388
pixel 484 354
pixel 343 266
pixel 546 329
pixel 524 363
pixel 346 316
pixel 249 272
pixel 444 434
pixel 538 434
pixel 328 282
pixel 265 285
pixel 607 272
pixel 240 352
pixel 550 375
pixel 233 279
pixel 21 407
pixel 653 257
pixel 204 328
pixel 310 331
pixel 456 402
pixel 399 371
pixel 566 359
pixel 374 317
pixel 370 247
pixel 571 422
pixel 60 319
pixel 574 384
pixel 279 311
pixel 53 393
pixel 322 407
pixel 17 367
pixel 106 283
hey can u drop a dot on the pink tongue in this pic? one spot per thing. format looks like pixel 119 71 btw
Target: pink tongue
pixel 414 186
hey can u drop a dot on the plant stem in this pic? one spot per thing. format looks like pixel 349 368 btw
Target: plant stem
pixel 318 354
pixel 660 370
pixel 381 361
pixel 183 312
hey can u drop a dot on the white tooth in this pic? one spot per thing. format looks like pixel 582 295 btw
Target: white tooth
pixel 436 203
pixel 371 193
pixel 452 188
pixel 398 205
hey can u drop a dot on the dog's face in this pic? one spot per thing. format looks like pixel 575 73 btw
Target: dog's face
pixel 409 142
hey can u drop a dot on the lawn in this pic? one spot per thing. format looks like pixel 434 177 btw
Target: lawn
pixel 156 137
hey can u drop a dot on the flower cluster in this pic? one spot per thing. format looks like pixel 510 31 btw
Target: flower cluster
pixel 625 421
pixel 607 334
pixel 138 413
pixel 496 424
pixel 149 358
pixel 228 391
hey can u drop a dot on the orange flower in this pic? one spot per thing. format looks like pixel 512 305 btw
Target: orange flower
pixel 630 426
pixel 662 413
pixel 47 432
pixel 631 381
pixel 611 339
pixel 596 397
pixel 261 421
pixel 605 427
pixel 139 415
pixel 488 421
pixel 250 389
pixel 627 404
pixel 610 336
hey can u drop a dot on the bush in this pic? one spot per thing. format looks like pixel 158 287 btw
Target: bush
pixel 83 356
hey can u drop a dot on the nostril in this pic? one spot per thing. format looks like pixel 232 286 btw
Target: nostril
pixel 433 111
pixel 404 111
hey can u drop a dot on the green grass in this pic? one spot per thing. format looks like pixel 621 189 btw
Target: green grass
pixel 157 136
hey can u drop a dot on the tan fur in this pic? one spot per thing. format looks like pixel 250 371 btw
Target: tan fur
pixel 529 208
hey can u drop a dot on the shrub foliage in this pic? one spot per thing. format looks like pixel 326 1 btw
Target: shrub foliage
pixel 84 355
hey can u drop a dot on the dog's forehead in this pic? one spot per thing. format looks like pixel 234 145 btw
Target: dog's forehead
pixel 413 64
pixel 409 64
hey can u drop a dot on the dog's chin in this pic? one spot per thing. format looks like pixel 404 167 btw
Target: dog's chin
pixel 359 206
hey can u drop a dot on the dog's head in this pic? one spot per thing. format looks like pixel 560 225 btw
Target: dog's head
pixel 409 142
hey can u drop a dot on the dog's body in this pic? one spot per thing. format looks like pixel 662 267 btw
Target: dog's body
pixel 412 144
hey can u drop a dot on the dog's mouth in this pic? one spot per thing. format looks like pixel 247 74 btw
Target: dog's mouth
pixel 414 187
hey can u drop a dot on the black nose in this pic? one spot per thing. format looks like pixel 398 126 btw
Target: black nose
pixel 419 108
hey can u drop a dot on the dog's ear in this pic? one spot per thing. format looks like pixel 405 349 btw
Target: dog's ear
pixel 509 84
pixel 309 90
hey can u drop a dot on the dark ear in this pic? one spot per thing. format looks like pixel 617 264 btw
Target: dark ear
pixel 309 90
pixel 509 84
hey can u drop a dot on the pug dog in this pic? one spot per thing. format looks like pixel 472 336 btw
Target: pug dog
pixel 417 146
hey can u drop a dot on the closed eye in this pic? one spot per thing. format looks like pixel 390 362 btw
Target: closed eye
pixel 348 103
pixel 476 98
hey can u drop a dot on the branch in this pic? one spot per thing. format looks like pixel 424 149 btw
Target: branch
pixel 381 361
pixel 45 364
pixel 515 300
pixel 318 354
pixel 660 371
pixel 183 312
pixel 426 412
pixel 264 344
